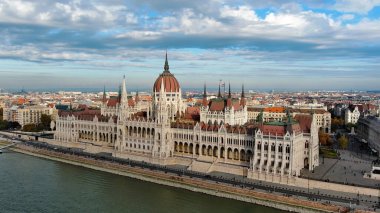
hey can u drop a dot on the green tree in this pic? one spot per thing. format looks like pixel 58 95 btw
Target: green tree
pixel 3 125
pixel 343 142
pixel 45 122
pixel 350 125
pixel 1 114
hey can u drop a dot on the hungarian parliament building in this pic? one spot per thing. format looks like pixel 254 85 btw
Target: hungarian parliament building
pixel 215 136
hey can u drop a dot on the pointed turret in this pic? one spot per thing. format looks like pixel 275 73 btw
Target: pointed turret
pixel 119 95
pixel 204 102
pixel 166 67
pixel 242 99
pixel 219 94
pixel 229 90
pixel 137 99
pixel 229 97
pixel 124 95
pixel 104 100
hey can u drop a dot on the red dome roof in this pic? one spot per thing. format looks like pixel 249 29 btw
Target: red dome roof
pixel 170 82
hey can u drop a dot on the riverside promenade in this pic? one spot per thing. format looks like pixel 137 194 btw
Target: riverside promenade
pixel 318 195
pixel 196 184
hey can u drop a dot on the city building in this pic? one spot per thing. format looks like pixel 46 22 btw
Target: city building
pixel 222 110
pixel 322 116
pixel 368 131
pixel 28 114
pixel 215 137
pixel 351 114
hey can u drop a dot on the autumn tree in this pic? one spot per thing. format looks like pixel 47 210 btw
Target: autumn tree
pixel 30 128
pixel 324 138
pixel 343 142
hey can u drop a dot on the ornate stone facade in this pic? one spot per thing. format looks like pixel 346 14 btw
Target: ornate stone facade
pixel 162 133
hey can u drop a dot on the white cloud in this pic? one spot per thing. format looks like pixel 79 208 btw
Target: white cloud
pixel 346 17
pixel 356 6
pixel 70 14
pixel 240 13
pixel 140 35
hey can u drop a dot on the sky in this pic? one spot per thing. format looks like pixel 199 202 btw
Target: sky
pixel 271 44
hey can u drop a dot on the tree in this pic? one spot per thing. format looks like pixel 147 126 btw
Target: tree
pixel 30 128
pixel 1 114
pixel 45 122
pixel 336 123
pixel 4 125
pixel 324 138
pixel 343 142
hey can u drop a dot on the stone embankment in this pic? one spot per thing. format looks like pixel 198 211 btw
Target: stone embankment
pixel 193 184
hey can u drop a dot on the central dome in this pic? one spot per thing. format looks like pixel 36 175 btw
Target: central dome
pixel 170 82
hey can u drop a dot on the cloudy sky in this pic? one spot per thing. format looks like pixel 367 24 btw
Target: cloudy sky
pixel 271 44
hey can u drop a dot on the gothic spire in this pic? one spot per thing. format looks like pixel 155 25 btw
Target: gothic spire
pixel 204 102
pixel 119 95
pixel 166 67
pixel 242 99
pixel 242 91
pixel 137 99
pixel 229 90
pixel 104 94
pixel 204 91
pixel 219 94
pixel 124 94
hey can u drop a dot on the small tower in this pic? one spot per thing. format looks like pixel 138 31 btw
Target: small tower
pixel 204 101
pixel 219 94
pixel 123 96
pixel 229 97
pixel 104 100
pixel 242 98
pixel 166 66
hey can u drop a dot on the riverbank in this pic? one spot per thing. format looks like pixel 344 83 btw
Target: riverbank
pixel 193 184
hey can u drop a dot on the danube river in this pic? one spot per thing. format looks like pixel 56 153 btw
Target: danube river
pixel 31 184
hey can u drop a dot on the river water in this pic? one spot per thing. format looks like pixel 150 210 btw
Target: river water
pixel 31 184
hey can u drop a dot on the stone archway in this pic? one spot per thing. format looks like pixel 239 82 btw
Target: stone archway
pixel 191 147
pixel 236 154
pixel 175 146
pixel 209 150
pixel 215 151
pixel 204 150
pixel 222 152
pixel 306 163
pixel 229 153
pixel 242 155
pixel 186 148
